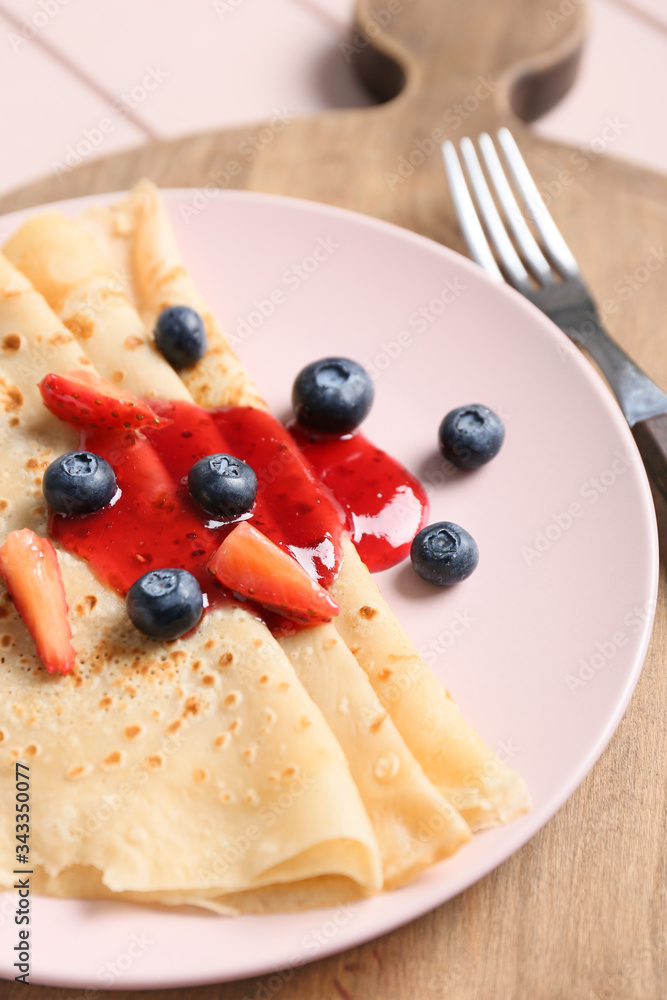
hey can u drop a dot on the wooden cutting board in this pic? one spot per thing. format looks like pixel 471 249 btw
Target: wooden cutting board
pixel 580 911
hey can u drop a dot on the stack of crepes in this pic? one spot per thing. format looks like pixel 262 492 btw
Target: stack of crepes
pixel 228 769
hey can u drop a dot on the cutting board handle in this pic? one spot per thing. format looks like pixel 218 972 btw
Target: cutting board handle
pixel 527 51
pixel 441 66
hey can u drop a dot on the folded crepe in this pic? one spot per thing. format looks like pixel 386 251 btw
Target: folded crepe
pixel 136 239
pixel 201 766
pixel 224 769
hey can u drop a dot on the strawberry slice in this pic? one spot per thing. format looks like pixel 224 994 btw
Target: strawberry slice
pixel 29 566
pixel 251 564
pixel 84 399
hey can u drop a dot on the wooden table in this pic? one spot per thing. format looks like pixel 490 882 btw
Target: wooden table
pixel 581 911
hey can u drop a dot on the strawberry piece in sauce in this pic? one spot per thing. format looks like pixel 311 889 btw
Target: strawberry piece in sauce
pixel 30 568
pixel 85 400
pixel 250 564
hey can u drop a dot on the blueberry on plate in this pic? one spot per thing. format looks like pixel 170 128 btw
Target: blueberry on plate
pixel 334 394
pixel 165 603
pixel 223 485
pixel 78 482
pixel 444 554
pixel 471 435
pixel 180 336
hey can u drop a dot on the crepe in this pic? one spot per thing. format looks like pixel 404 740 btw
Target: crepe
pixel 135 235
pixel 82 844
pixel 413 822
pixel 199 766
pixel 392 765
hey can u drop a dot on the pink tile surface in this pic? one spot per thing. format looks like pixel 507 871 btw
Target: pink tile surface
pixel 340 11
pixel 44 109
pixel 653 11
pixel 623 80
pixel 200 66
pixel 223 62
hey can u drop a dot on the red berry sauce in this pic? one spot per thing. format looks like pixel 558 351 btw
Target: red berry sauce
pixel 385 506
pixel 154 523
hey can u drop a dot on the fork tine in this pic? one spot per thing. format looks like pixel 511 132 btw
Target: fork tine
pixel 532 254
pixel 554 243
pixel 467 216
pixel 509 258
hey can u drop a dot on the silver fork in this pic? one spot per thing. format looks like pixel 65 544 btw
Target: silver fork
pixel 549 276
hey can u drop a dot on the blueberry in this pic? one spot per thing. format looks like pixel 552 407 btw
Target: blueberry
pixel 471 435
pixel 444 554
pixel 79 482
pixel 223 485
pixel 180 335
pixel 334 394
pixel 165 603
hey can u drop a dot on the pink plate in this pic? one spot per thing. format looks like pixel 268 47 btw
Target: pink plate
pixel 542 646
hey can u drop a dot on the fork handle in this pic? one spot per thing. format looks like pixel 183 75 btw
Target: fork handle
pixel 651 439
pixel 638 395
pixel 644 404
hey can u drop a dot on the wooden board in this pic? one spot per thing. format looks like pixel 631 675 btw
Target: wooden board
pixel 581 911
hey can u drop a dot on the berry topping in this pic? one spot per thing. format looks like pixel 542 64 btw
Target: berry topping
pixel 223 485
pixel 251 565
pixel 84 399
pixel 30 568
pixel 471 435
pixel 444 554
pixel 334 394
pixel 165 603
pixel 79 482
pixel 180 336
